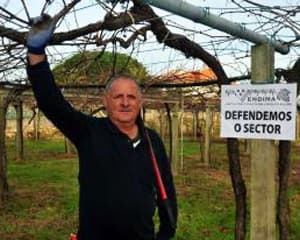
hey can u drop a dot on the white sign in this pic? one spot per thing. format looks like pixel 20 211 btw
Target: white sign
pixel 264 111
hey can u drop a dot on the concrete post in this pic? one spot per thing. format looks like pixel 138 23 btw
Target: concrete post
pixel 263 159
pixel 162 124
pixel 195 124
pixel 19 133
pixel 36 124
pixel 175 137
pixel 3 156
pixel 207 141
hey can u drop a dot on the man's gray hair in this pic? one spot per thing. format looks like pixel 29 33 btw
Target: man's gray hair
pixel 121 76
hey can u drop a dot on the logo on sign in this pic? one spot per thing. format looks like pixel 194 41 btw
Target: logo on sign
pixel 260 95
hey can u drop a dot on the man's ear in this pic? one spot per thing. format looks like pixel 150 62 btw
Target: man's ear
pixel 141 103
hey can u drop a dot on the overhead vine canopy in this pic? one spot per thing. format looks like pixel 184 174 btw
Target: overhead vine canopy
pixel 160 40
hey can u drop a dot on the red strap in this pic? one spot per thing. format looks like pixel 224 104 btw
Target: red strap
pixel 160 184
pixel 73 236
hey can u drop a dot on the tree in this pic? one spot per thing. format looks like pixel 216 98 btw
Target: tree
pixel 95 68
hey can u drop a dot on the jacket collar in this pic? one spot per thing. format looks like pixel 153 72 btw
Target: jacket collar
pixel 115 130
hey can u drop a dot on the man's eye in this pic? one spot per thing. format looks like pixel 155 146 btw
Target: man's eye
pixel 117 96
pixel 132 97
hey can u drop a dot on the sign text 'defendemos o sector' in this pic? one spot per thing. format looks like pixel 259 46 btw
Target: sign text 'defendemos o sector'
pixel 264 111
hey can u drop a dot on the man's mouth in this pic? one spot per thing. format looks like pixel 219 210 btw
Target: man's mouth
pixel 125 110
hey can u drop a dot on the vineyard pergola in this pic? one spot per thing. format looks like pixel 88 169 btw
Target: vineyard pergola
pixel 129 25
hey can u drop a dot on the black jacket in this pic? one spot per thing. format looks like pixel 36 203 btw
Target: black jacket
pixel 117 184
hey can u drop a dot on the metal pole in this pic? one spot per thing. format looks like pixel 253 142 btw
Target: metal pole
pixel 203 15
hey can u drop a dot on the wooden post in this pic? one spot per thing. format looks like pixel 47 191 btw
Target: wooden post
pixel 263 159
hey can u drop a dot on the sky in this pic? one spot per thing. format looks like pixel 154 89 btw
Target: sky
pixel 234 54
pixel 230 54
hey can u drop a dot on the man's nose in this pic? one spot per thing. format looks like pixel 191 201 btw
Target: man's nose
pixel 125 101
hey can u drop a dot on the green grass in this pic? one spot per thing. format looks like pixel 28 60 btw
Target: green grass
pixel 43 195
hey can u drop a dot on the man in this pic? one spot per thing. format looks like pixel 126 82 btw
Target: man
pixel 117 181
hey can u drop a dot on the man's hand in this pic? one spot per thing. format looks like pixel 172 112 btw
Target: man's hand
pixel 42 28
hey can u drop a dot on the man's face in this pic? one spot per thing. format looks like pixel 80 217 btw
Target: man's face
pixel 123 101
